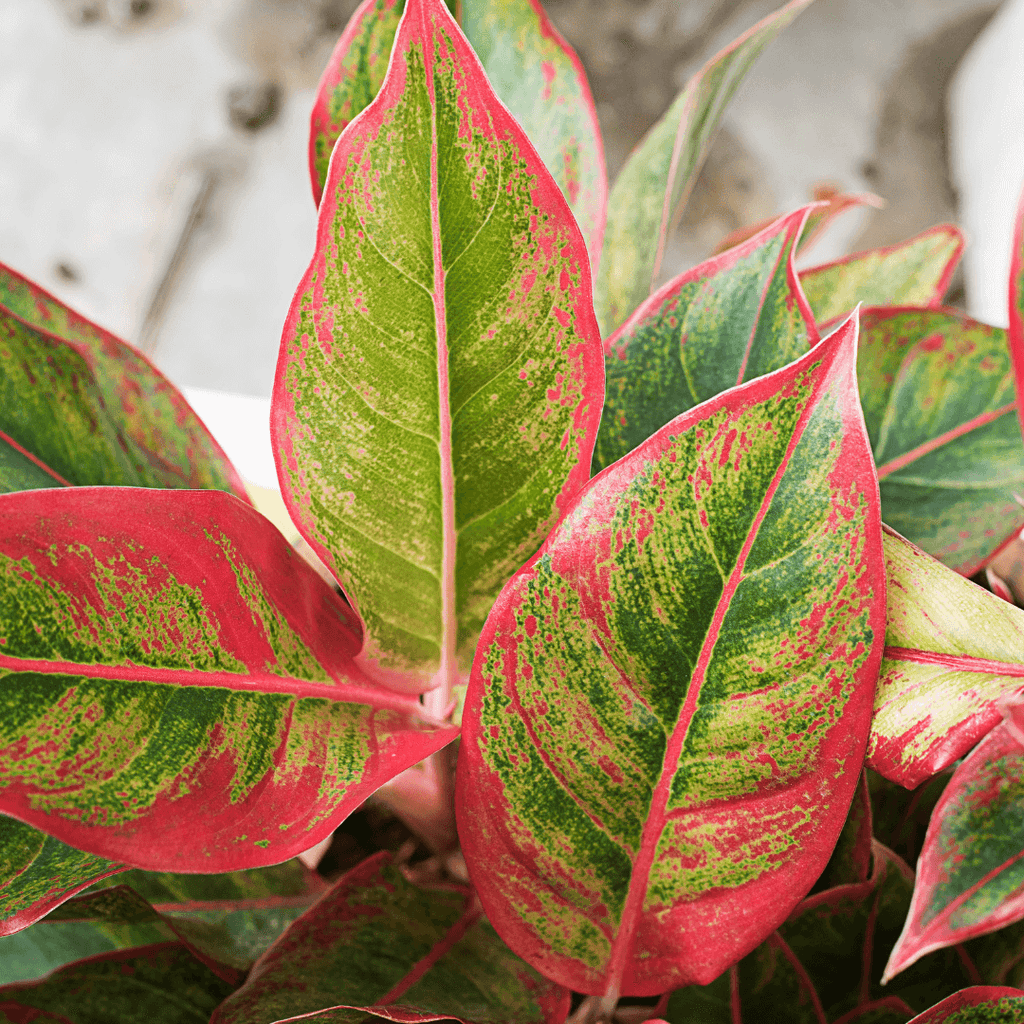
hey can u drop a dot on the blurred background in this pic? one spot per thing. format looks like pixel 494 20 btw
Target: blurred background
pixel 153 168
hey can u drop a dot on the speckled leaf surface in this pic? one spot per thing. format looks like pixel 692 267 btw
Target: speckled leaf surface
pixel 38 872
pixel 178 684
pixel 731 319
pixel 228 920
pixel 970 877
pixel 158 984
pixel 168 443
pixel 538 76
pixel 374 941
pixel 535 73
pixel 938 395
pixel 916 272
pixel 952 650
pixel 1016 304
pixel 824 964
pixel 980 1004
pixel 440 380
pixel 653 186
pixel 667 714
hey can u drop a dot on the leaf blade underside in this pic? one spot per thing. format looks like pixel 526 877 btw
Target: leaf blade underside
pixel 168 659
pixel 621 636
pixel 440 379
pixel 166 439
pixel 735 317
pixel 377 943
pixel 937 390
pixel 953 650
pixel 915 272
pixel 656 180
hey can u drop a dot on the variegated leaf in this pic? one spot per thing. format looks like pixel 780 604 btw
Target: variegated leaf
pixel 1016 306
pixel 177 683
pixel 535 73
pixel 736 317
pixel 38 873
pixel 938 396
pixel 653 186
pixel 440 379
pixel 981 1004
pixel 667 712
pixel 227 920
pixel 167 441
pixel 970 878
pixel 376 944
pixel 158 984
pixel 952 651
pixel 916 272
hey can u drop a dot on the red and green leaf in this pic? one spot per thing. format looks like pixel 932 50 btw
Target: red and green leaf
pixel 666 718
pixel 970 877
pixel 981 1004
pixel 159 984
pixel 938 396
pixel 736 317
pixel 38 873
pixel 440 380
pixel 1016 306
pixel 952 651
pixel 655 182
pixel 166 440
pixel 916 272
pixel 179 689
pixel 535 73
pixel 376 944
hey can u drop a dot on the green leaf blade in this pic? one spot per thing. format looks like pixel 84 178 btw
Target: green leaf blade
pixel 440 378
pixel 657 177
pixel 603 790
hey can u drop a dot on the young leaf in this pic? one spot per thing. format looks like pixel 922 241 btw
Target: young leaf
pixel 1016 306
pixel 378 944
pixel 658 692
pixel 38 872
pixel 535 73
pixel 538 76
pixel 179 684
pixel 938 397
pixel 981 1004
pixel 227 920
pixel 158 984
pixel 971 872
pixel 729 320
pixel 168 440
pixel 440 379
pixel 916 272
pixel 952 650
pixel 654 184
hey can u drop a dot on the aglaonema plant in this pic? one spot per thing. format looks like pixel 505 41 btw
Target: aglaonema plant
pixel 635 533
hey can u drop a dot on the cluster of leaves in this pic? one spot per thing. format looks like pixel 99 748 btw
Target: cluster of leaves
pixel 634 532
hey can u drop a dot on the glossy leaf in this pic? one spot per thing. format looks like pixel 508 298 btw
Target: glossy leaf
pixel 178 683
pixel 1016 305
pixel 916 272
pixel 971 872
pixel 952 650
pixel 228 920
pixel 38 873
pixel 655 182
pixel 824 964
pixel 726 321
pixel 659 690
pixel 158 984
pixel 535 73
pixel 938 396
pixel 377 941
pixel 981 1004
pixel 440 380
pixel 168 443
